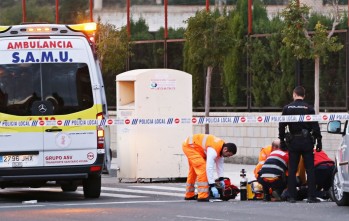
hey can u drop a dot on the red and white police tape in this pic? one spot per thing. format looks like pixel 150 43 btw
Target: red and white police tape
pixel 176 121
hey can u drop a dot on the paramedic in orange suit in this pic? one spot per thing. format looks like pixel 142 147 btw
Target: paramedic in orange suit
pixel 265 152
pixel 204 153
pixel 263 155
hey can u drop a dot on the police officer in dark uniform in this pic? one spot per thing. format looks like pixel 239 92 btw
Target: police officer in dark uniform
pixel 300 142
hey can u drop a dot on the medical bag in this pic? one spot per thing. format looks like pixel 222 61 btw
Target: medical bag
pixel 229 191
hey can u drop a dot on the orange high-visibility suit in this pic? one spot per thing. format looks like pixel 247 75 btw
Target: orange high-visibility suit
pixel 263 155
pixel 203 152
pixel 265 152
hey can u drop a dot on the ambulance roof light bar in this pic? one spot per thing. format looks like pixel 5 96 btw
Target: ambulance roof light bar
pixel 89 30
pixel 87 27
pixel 84 27
pixel 4 28
pixel 39 29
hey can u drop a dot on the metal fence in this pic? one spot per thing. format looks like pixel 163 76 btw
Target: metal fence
pixel 333 76
pixel 168 53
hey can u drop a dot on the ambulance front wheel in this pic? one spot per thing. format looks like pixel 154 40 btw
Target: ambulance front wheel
pixel 92 186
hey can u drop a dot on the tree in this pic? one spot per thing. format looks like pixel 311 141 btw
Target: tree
pixel 233 74
pixel 71 11
pixel 305 45
pixel 112 51
pixel 282 66
pixel 8 3
pixel 234 77
pixel 145 55
pixel 140 30
pixel 271 66
pixel 43 11
pixel 208 38
pixel 36 10
pixel 112 47
pixel 260 70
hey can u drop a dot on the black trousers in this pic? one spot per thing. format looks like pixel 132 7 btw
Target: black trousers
pixel 278 185
pixel 298 147
pixel 323 177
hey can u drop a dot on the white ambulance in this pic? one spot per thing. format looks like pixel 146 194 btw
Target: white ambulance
pixel 50 73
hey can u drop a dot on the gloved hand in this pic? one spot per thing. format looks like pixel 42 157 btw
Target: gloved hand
pixel 222 184
pixel 318 146
pixel 215 192
pixel 283 145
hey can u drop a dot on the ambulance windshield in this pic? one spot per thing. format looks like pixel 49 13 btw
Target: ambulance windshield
pixel 65 86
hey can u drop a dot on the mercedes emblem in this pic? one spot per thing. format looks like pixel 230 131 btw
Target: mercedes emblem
pixel 42 108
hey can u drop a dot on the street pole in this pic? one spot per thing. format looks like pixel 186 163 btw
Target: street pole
pixel 249 12
pixel 57 11
pixel 128 5
pixel 165 34
pixel 91 10
pixel 24 14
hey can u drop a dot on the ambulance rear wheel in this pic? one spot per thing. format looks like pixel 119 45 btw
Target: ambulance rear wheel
pixel 92 186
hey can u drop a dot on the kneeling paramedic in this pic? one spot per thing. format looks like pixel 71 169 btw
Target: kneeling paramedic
pixel 324 167
pixel 263 155
pixel 273 174
pixel 204 152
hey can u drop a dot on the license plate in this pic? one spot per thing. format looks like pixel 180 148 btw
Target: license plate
pixel 17 164
pixel 18 160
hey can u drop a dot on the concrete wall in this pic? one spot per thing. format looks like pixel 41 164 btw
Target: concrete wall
pixel 250 137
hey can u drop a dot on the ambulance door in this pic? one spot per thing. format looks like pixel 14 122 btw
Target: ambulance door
pixel 21 137
pixel 67 79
